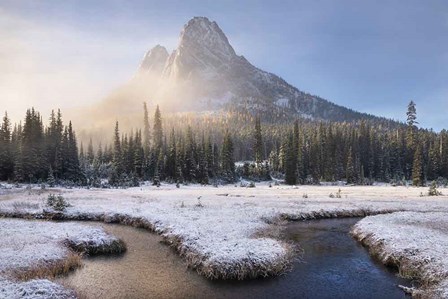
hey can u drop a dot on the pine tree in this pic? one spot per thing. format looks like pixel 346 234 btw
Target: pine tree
pixel 117 154
pixel 291 161
pixel 433 162
pixel 138 155
pixel 57 136
pixel 417 168
pixel 33 162
pixel 51 180
pixel 146 131
pixel 6 154
pixel 171 167
pixel 258 141
pixel 190 157
pixel 202 174
pixel 411 135
pixel 158 131
pixel 99 158
pixel 209 158
pixel 90 154
pixel 73 171
pixel 351 173
pixel 227 162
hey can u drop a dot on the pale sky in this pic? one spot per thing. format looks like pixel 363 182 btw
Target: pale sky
pixel 372 56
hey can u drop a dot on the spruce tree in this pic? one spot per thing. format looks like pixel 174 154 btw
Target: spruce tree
pixel 411 135
pixel 202 174
pixel 146 130
pixel 209 158
pixel 6 154
pixel 258 141
pixel 73 171
pixel 350 169
pixel 227 162
pixel 171 164
pixel 158 131
pixel 138 155
pixel 90 154
pixel 190 156
pixel 417 168
pixel 291 161
pixel 117 154
pixel 32 154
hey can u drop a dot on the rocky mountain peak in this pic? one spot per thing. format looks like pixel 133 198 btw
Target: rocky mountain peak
pixel 200 32
pixel 204 72
pixel 203 48
pixel 154 60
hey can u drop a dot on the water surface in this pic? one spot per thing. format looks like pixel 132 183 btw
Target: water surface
pixel 333 266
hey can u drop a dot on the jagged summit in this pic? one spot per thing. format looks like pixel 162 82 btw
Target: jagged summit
pixel 203 48
pixel 205 73
pixel 154 60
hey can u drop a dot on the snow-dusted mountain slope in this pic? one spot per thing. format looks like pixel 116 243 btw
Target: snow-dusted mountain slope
pixel 204 72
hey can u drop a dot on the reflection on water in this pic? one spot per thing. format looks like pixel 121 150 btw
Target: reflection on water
pixel 334 266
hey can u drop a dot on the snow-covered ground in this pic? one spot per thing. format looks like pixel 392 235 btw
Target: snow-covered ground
pixel 220 231
pixel 27 246
pixel 415 242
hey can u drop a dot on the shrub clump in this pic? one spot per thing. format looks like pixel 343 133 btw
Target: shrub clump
pixel 433 190
pixel 57 202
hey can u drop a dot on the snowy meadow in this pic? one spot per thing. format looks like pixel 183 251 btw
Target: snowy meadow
pixel 228 232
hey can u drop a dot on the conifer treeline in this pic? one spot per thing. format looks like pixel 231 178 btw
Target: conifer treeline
pixel 203 151
pixel 306 152
pixel 181 157
pixel 361 153
pixel 33 153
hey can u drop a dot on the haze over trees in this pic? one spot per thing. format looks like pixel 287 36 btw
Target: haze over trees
pixel 191 148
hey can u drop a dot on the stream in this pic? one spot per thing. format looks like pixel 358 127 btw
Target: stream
pixel 334 265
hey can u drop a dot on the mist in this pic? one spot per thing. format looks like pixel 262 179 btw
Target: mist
pixel 60 67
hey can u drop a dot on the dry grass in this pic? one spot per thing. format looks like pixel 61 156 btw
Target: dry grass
pixel 18 205
pixel 243 269
pixel 50 269
pixel 322 214
pixel 116 247
pixel 407 268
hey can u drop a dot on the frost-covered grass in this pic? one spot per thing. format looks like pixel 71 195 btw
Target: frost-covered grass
pixel 34 289
pixel 219 231
pixel 41 249
pixel 416 243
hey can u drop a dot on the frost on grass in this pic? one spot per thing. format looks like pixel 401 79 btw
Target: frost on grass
pixel 220 237
pixel 38 249
pixel 416 243
pixel 34 289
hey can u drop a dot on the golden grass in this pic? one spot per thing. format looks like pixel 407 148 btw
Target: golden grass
pixel 50 269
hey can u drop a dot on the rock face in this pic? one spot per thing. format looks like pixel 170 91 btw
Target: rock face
pixel 154 61
pixel 205 73
pixel 203 50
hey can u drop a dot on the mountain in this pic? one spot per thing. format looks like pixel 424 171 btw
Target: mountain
pixel 205 73
pixel 154 61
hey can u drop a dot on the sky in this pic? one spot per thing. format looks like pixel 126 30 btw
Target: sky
pixel 371 56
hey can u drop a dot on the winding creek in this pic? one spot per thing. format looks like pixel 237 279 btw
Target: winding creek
pixel 334 266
